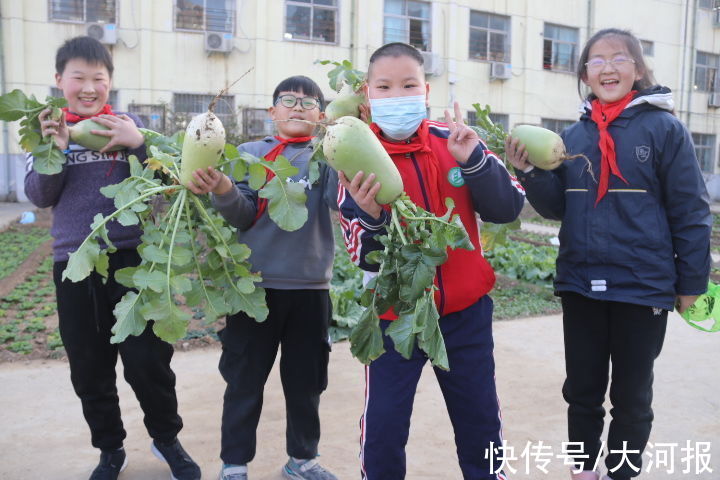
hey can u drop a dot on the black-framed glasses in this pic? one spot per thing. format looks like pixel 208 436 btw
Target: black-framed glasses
pixel 289 101
pixel 597 64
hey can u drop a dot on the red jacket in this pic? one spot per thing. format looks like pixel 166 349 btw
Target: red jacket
pixel 482 186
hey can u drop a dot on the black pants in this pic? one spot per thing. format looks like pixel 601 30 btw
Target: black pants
pixel 630 337
pixel 298 322
pixel 85 315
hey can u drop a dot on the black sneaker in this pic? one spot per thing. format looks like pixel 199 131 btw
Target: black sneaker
pixel 181 465
pixel 112 462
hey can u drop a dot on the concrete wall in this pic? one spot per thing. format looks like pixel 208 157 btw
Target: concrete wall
pixel 153 60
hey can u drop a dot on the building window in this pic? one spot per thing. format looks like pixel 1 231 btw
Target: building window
pixel 112 98
pixel 705 151
pixel 81 11
pixel 560 48
pixel 555 125
pixel 187 105
pixel 151 115
pixel 706 68
pixel 205 15
pixel 709 4
pixel 648 48
pixel 489 37
pixel 408 21
pixel 501 119
pixel 312 20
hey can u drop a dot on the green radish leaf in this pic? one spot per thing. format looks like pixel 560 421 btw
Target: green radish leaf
pixel 366 342
pixel 281 167
pixel 430 339
pixel 286 203
pixel 30 140
pixel 144 279
pixel 252 303
pixel 127 218
pixel 180 284
pixel 47 159
pixel 151 253
pixel 13 106
pixel 129 321
pixel 181 255
pixel 124 276
pixel 257 176
pixel 402 333
pixel 174 326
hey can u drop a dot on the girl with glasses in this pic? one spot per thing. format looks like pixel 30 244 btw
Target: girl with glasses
pixel 634 244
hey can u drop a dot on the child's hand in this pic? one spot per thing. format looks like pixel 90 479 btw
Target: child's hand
pixel 363 192
pixel 463 139
pixel 364 112
pixel 56 128
pixel 210 180
pixel 123 131
pixel 684 301
pixel 516 153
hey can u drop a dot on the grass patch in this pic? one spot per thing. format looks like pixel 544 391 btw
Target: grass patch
pixel 515 299
pixel 16 245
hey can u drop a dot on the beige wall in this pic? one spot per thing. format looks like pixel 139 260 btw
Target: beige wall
pixel 152 60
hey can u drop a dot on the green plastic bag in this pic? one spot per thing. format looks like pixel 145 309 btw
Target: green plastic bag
pixel 706 306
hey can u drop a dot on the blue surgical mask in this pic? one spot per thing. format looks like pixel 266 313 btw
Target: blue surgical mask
pixel 398 117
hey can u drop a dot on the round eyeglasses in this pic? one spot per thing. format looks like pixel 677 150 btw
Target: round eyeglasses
pixel 289 101
pixel 597 64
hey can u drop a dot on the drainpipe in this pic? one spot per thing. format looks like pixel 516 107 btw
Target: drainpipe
pixel 693 35
pixel 683 72
pixel 589 19
pixel 5 130
pixel 353 45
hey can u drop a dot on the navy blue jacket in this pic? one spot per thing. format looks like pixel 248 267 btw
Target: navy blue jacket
pixel 646 241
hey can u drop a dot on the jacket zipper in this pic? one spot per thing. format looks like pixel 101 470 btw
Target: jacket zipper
pixel 427 207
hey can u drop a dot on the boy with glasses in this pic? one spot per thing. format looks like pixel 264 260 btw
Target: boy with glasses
pixel 296 268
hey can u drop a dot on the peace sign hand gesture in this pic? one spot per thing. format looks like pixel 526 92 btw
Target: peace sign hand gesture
pixel 463 139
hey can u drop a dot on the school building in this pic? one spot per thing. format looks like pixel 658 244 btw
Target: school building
pixel 518 56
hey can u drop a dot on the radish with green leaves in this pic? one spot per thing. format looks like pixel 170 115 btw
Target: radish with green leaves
pixel 47 157
pixel 189 254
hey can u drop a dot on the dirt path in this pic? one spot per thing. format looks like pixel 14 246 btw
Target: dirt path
pixel 43 435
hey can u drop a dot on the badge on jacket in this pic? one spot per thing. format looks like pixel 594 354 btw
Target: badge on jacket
pixel 642 153
pixel 455 177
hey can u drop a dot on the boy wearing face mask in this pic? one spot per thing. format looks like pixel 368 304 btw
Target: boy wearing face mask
pixel 436 161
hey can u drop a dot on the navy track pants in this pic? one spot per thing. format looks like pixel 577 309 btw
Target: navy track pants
pixel 468 389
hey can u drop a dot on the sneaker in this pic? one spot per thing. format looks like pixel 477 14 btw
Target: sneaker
pixel 111 464
pixel 233 472
pixel 182 467
pixel 307 470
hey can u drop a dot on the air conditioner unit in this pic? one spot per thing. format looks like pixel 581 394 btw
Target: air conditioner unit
pixel 257 123
pixel 433 63
pixel 104 32
pixel 218 42
pixel 500 71
pixel 714 99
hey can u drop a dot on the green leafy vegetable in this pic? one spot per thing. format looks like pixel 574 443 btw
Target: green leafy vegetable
pixel 47 158
pixel 415 246
pixel 188 251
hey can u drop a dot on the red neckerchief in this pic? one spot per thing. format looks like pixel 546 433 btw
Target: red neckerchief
pixel 71 117
pixel 603 115
pixel 270 157
pixel 428 162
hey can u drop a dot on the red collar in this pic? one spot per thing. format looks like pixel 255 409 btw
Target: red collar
pixel 72 117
